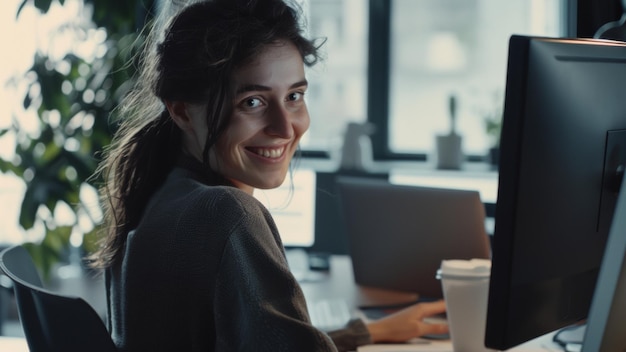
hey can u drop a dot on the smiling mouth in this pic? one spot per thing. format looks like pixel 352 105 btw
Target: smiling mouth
pixel 270 153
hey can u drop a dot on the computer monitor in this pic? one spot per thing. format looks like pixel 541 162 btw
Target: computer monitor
pixel 607 316
pixel 563 141
pixel 292 206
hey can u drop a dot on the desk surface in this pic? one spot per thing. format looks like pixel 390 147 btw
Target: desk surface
pixel 541 344
pixel 338 283
pixel 13 344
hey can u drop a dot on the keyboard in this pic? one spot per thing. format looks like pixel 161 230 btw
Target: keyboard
pixel 329 314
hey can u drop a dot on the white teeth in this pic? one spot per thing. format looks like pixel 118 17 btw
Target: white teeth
pixel 270 153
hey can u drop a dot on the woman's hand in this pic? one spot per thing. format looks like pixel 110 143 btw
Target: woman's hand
pixel 408 323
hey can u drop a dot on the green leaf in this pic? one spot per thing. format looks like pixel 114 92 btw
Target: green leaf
pixel 28 211
pixel 52 152
pixel 91 240
pixel 27 101
pixel 8 166
pixel 51 93
pixel 58 239
pixel 43 5
pixel 3 131
pixel 82 163
pixel 50 251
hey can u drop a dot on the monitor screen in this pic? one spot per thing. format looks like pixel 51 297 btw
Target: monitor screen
pixel 563 141
pixel 292 206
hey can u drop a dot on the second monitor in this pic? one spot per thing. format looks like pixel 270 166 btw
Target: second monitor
pixel 563 149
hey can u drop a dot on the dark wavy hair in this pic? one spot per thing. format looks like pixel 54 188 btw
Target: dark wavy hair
pixel 192 60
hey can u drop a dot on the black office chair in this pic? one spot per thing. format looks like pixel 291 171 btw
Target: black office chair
pixel 52 322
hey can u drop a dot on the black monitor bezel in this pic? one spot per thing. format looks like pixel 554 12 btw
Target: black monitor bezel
pixel 508 302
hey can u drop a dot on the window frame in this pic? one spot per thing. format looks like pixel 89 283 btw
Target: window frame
pixel 379 52
pixel 582 19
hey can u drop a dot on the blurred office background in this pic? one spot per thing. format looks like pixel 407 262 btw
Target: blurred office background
pixel 394 63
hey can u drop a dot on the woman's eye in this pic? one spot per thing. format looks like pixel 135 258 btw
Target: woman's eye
pixel 295 96
pixel 252 102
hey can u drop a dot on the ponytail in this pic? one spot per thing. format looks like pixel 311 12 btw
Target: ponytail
pixel 133 170
pixel 152 153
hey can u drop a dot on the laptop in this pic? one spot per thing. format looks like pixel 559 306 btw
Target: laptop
pixel 398 234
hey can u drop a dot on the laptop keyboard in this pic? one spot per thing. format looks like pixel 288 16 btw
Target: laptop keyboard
pixel 329 314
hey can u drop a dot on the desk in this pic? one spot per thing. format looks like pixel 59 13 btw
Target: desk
pixel 541 344
pixel 13 344
pixel 338 283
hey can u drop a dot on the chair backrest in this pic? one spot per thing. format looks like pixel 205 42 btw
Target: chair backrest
pixel 52 322
pixel 19 267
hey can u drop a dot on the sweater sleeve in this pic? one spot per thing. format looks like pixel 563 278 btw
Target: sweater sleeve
pixel 258 304
pixel 355 334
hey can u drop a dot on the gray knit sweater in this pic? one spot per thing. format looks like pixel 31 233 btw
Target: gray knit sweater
pixel 205 270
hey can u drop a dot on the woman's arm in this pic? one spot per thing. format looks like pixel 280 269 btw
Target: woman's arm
pixel 408 323
pixel 400 326
pixel 259 305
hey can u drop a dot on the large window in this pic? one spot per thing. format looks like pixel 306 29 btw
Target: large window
pixel 397 62
pixel 444 48
pixel 338 84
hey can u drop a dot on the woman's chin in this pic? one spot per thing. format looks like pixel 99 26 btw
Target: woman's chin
pixel 271 182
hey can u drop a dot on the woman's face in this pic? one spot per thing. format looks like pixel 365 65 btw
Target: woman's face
pixel 269 117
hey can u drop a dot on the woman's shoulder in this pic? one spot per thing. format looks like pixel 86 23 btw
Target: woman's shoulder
pixel 231 212
pixel 230 197
pixel 186 203
pixel 182 187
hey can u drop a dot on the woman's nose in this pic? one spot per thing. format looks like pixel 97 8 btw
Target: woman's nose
pixel 280 122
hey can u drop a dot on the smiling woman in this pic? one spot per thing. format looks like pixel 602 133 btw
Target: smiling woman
pixel 217 112
pixel 224 88
pixel 266 123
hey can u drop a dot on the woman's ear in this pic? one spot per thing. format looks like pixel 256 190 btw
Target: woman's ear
pixel 179 113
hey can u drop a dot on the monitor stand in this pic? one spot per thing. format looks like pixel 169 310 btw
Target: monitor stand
pixel 607 316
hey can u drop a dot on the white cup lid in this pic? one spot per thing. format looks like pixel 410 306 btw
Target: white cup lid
pixel 473 268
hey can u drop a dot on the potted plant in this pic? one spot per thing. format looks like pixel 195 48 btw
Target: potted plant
pixel 493 129
pixel 449 146
pixel 74 97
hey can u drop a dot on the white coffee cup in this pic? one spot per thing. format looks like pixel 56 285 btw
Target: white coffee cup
pixel 465 286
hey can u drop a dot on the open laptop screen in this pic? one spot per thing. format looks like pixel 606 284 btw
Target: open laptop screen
pixel 292 206
pixel 398 235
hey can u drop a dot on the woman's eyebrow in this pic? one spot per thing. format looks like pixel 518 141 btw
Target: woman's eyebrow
pixel 258 87
pixel 303 83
